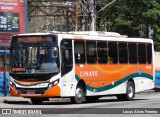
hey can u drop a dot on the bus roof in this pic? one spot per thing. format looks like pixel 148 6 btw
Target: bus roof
pixel 92 35
pixel 32 34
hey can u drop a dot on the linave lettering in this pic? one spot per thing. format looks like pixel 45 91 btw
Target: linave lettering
pixel 88 73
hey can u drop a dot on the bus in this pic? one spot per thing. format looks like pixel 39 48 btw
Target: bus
pixel 82 66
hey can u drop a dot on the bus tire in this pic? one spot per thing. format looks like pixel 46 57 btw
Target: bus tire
pixel 130 93
pixel 36 101
pixel 79 95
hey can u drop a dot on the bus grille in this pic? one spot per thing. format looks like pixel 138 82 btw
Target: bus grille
pixel 31 91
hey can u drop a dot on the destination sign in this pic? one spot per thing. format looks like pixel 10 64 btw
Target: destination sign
pixel 33 39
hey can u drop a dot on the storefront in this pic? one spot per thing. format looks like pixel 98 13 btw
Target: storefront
pixel 13 20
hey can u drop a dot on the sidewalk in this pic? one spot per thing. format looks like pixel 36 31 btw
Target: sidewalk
pixel 9 99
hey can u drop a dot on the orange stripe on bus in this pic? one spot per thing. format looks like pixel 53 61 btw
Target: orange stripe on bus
pixel 103 75
pixel 113 71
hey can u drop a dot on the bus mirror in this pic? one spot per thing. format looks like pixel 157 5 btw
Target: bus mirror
pixel 67 54
pixel 55 53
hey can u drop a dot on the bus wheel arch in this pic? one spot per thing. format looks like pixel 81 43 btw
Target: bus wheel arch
pixel 80 93
pixel 131 80
pixel 83 84
pixel 130 92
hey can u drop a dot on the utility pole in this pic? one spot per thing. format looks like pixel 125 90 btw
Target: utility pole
pixel 76 27
pixel 85 15
pixel 92 14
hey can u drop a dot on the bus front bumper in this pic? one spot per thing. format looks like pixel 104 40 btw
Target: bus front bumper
pixel 27 93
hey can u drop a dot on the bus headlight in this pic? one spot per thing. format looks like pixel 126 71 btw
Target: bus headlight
pixel 12 84
pixel 52 84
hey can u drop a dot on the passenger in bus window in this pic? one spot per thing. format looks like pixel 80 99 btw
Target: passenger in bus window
pixel 110 60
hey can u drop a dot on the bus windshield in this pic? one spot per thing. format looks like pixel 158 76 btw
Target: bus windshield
pixel 34 60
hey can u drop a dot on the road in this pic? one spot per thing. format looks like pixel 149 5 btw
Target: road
pixel 105 106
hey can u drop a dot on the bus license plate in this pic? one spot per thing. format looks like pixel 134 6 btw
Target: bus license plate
pixel 30 92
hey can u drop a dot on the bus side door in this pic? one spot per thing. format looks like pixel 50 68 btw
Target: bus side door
pixel 67 71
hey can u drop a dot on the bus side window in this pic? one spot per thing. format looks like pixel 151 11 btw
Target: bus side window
pixel 102 52
pixel 123 54
pixel 79 50
pixel 149 53
pixel 132 53
pixel 91 52
pixel 112 52
pixel 66 54
pixel 142 53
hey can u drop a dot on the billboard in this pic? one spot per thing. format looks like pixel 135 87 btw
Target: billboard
pixel 12 19
pixel 9 22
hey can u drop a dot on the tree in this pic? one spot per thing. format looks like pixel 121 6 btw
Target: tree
pixel 133 18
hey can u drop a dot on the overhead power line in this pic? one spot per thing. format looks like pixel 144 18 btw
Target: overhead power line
pixel 107 6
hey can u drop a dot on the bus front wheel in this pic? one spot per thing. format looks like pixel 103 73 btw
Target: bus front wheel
pixel 79 95
pixel 130 93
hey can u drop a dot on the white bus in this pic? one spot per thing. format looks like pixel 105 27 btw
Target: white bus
pixel 83 66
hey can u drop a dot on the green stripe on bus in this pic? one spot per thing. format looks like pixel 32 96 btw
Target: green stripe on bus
pixel 104 88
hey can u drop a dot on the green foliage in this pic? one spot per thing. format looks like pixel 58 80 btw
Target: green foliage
pixel 133 18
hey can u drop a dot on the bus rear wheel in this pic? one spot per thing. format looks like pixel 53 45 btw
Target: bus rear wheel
pixel 130 93
pixel 79 95
pixel 36 101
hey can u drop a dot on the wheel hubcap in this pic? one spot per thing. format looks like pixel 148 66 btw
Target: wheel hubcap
pixel 130 91
pixel 79 93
